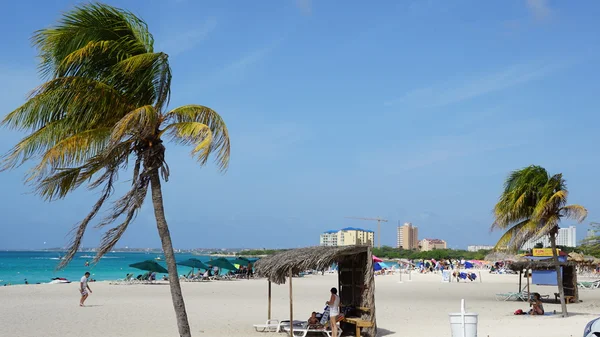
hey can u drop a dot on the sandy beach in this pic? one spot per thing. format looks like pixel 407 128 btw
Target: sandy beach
pixel 229 308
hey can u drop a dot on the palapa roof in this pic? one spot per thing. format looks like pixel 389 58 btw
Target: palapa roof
pixel 277 267
pixel 536 264
pixel 503 256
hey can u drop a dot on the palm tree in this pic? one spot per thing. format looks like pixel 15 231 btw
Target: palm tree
pixel 531 206
pixel 105 104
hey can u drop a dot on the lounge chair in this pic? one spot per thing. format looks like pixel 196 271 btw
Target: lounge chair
pixel 271 325
pixel 508 296
pixel 274 325
pixel 589 285
pixel 305 330
pixel 129 279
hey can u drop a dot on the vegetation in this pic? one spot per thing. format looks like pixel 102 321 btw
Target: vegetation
pixel 259 252
pixel 532 205
pixel 591 245
pixel 104 105
pixel 387 252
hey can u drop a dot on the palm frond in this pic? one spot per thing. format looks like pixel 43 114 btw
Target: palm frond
pixel 74 150
pixel 192 133
pixel 86 102
pixel 130 204
pixel 142 122
pixel 79 230
pixel 85 24
pixel 513 237
pixel 147 77
pixel 574 212
pixel 62 181
pixel 220 136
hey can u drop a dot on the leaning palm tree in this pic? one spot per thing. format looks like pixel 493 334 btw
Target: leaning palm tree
pixel 102 107
pixel 531 206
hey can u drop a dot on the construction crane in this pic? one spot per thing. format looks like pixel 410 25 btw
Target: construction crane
pixel 379 220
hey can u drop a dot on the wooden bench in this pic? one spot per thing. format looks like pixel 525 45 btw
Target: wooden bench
pixel 568 299
pixel 359 323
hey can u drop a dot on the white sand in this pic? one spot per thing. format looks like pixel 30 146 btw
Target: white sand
pixel 417 308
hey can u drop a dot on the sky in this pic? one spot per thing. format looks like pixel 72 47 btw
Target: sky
pixel 414 111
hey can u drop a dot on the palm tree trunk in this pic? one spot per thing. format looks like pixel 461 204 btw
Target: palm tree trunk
pixel 559 279
pixel 165 237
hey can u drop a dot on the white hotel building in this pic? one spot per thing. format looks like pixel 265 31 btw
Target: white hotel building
pixel 566 237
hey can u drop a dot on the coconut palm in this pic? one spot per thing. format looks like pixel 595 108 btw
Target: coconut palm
pixel 102 107
pixel 532 205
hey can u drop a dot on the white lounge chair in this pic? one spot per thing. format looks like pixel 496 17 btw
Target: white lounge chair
pixel 274 325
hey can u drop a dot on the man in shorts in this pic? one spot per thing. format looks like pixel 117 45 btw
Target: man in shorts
pixel 84 288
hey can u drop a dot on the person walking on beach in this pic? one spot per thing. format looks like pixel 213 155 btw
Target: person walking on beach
pixel 334 310
pixel 84 288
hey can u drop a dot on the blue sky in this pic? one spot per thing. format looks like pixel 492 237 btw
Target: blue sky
pixel 410 110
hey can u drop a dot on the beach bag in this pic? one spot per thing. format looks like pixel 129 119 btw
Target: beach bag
pixel 519 312
pixel 325 317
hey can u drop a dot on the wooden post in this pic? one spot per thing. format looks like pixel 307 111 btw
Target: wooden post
pixel 269 313
pixel 291 307
pixel 528 292
pixel 520 280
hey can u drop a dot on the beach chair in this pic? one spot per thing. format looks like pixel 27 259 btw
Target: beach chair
pixel 305 330
pixel 508 296
pixel 271 325
pixel 127 280
pixel 588 285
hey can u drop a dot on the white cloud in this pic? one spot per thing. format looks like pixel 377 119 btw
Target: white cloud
pixel 176 43
pixel 305 6
pixel 539 9
pixel 481 140
pixel 236 70
pixel 461 89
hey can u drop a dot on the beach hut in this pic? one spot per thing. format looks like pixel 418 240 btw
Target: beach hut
pixel 544 272
pixel 356 282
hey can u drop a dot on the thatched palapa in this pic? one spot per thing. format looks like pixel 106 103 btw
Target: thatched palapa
pixel 569 273
pixel 277 267
pixel 356 281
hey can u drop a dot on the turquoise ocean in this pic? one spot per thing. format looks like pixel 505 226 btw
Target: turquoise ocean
pixel 40 267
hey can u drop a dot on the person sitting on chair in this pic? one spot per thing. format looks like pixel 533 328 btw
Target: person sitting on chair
pixel 313 321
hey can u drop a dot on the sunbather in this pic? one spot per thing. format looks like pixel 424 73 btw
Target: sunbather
pixel 313 321
pixel 536 303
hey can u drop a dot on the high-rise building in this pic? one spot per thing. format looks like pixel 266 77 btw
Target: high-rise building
pixel 566 237
pixel 329 238
pixel 431 244
pixel 408 236
pixel 348 236
pixel 476 248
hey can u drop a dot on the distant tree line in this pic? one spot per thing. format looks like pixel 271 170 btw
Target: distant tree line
pixel 387 252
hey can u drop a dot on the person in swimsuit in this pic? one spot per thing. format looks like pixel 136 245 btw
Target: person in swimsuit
pixel 84 288
pixel 334 310
pixel 536 303
pixel 313 321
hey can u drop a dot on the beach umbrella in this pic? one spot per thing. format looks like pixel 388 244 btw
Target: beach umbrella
pixel 383 265
pixel 376 259
pixel 377 266
pixel 194 263
pixel 150 265
pixel 221 263
pixel 242 261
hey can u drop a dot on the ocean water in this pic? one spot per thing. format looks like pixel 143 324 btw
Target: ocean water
pixel 40 267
